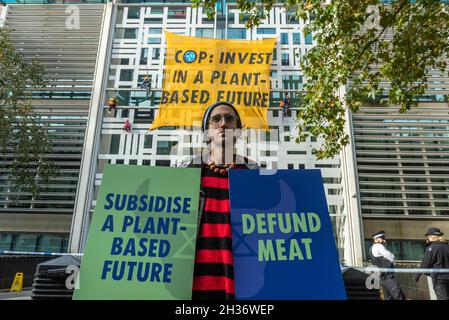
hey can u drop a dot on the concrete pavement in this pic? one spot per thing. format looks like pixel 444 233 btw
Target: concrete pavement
pixel 24 295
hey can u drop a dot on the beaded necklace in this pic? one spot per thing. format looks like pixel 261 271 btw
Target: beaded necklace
pixel 222 170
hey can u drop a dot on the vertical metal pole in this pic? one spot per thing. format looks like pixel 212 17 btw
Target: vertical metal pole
pixel 91 139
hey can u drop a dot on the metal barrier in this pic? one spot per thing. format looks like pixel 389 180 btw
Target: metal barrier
pixel 355 278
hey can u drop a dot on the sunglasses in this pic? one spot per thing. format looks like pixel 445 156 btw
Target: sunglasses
pixel 228 118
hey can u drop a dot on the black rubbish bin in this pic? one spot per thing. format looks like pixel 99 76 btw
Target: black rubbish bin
pixel 356 288
pixel 50 279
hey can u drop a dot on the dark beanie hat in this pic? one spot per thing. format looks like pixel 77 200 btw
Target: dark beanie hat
pixel 208 112
pixel 434 232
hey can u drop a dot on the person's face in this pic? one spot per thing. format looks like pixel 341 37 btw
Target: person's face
pixel 432 238
pixel 222 123
pixel 380 240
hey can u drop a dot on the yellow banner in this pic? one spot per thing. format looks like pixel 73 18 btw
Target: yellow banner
pixel 201 71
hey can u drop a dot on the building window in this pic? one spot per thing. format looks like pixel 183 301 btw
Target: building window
pixel 157 10
pixel 49 243
pixel 308 38
pixel 220 34
pixel 237 33
pixel 408 250
pixel 243 17
pixel 166 147
pixel 321 165
pixel 296 38
pixel 156 53
pixel 333 209
pixel 133 13
pixel 148 141
pixel 269 153
pixel 292 82
pixel 123 98
pixel 126 75
pixel 143 56
pixel 297 152
pixel 334 192
pixel 284 38
pixel 154 41
pixel 332 180
pixel 34 242
pixel 266 30
pixel 154 30
pixel 285 59
pixel 204 32
pixel 290 166
pixel 291 17
pixel 153 21
pixel 176 13
pixel 25 242
pixel 130 34
pixel 115 144
pixel 5 241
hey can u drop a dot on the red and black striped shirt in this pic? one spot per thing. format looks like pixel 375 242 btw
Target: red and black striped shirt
pixel 214 271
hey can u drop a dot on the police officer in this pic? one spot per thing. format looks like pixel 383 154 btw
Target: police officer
pixel 437 256
pixel 383 258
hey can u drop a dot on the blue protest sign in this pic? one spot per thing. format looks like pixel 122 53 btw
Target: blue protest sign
pixel 282 237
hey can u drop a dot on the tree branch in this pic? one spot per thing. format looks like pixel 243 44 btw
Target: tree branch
pixel 403 3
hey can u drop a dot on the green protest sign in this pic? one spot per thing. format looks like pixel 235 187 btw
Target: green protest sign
pixel 141 242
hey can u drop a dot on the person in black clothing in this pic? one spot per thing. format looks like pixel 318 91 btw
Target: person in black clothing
pixel 286 105
pixel 436 256
pixel 146 83
pixel 383 258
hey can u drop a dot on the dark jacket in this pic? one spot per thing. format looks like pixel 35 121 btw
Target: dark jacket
pixel 437 257
pixel 382 263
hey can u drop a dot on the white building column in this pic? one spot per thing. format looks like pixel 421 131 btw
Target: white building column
pixel 83 201
pixel 353 224
pixel 3 10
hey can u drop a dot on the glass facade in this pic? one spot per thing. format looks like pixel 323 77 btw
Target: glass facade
pixel 31 242
pixel 68 2
pixel 237 33
pixel 405 250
